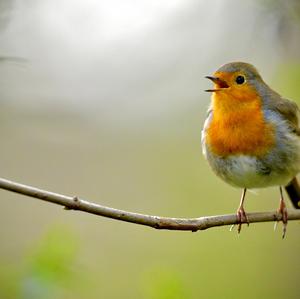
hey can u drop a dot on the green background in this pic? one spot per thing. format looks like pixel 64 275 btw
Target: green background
pixel 128 137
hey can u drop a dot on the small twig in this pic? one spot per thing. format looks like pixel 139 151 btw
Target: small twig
pixel 188 224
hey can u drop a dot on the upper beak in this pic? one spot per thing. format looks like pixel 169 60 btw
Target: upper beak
pixel 219 83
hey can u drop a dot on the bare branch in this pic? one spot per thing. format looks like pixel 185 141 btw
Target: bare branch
pixel 188 224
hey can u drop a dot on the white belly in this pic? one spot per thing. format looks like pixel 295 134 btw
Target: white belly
pixel 243 172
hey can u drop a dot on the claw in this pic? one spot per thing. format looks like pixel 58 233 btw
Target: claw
pixel 282 210
pixel 241 218
pixel 275 225
pixel 241 214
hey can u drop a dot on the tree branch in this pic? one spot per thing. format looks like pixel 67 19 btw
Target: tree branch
pixel 188 224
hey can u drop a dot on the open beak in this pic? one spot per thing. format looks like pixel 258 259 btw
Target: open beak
pixel 220 84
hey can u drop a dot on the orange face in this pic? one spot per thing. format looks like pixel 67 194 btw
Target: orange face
pixel 233 91
pixel 238 125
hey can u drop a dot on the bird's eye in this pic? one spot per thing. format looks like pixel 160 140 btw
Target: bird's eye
pixel 240 79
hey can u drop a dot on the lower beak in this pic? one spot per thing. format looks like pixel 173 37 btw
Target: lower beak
pixel 220 84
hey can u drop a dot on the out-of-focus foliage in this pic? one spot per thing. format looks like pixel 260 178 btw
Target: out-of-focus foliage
pixel 162 283
pixel 47 271
pixel 51 266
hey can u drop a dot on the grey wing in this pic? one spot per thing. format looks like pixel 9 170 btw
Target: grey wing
pixel 290 112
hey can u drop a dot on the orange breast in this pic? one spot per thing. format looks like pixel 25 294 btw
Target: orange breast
pixel 239 128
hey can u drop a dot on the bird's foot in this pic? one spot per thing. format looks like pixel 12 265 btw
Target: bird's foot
pixel 241 218
pixel 282 210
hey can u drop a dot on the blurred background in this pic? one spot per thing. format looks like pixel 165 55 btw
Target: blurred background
pixel 104 100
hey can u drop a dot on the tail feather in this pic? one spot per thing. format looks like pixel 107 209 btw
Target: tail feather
pixel 293 190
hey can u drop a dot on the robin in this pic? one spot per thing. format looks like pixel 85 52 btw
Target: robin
pixel 251 136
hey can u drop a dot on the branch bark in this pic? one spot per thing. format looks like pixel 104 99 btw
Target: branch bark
pixel 185 224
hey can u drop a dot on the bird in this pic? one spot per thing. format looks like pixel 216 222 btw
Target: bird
pixel 251 136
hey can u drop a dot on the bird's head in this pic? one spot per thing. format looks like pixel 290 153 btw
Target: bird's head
pixel 235 82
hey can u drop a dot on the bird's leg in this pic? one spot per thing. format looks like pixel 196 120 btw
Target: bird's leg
pixel 283 211
pixel 240 213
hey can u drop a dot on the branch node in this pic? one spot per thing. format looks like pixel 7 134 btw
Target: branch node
pixel 76 203
pixel 157 225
